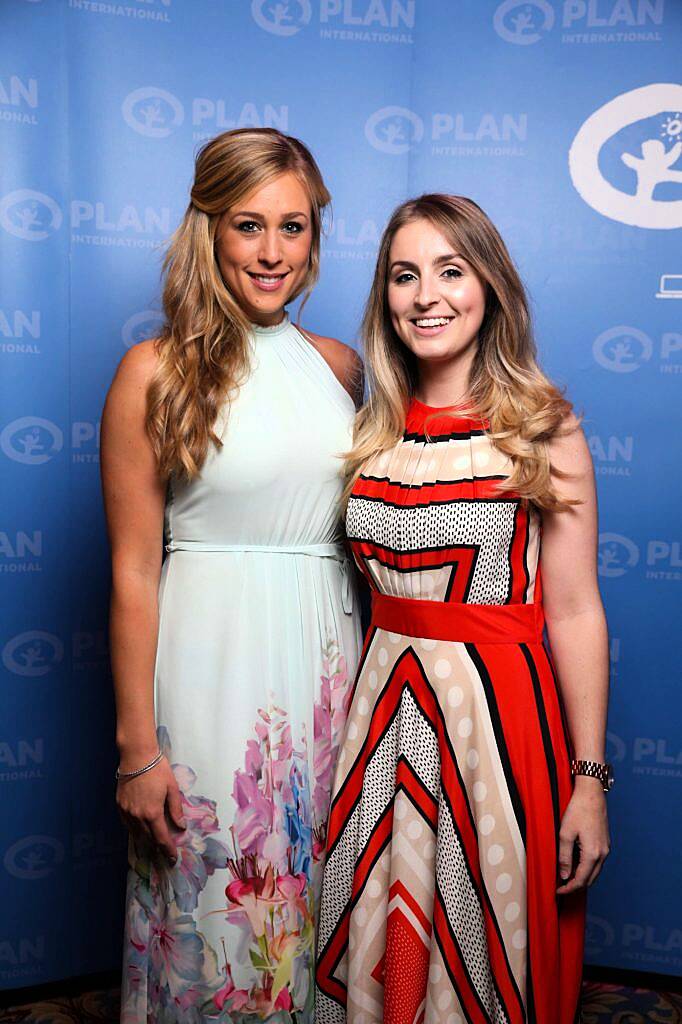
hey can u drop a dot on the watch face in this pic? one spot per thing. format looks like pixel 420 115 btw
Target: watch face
pixel 610 778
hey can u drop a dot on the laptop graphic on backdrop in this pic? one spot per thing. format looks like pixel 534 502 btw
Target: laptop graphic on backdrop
pixel 670 287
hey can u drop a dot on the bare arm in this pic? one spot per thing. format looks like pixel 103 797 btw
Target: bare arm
pixel 577 632
pixel 134 497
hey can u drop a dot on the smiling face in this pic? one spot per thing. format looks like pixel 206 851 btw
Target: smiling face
pixel 435 298
pixel 263 248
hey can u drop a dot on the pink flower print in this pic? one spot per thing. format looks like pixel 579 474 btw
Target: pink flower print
pixel 319 843
pixel 328 722
pixel 254 896
pixel 253 761
pixel 283 1000
pixel 253 820
pixel 276 844
pixel 292 888
pixel 237 998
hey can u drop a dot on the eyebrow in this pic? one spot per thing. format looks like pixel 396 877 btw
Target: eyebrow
pixel 259 216
pixel 447 258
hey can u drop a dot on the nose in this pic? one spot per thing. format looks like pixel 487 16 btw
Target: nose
pixel 270 253
pixel 427 294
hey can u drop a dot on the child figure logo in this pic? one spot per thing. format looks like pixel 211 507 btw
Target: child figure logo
pixel 30 215
pixel 638 132
pixel 394 130
pixel 622 349
pixel 141 326
pixel 32 654
pixel 34 857
pixel 31 440
pixel 281 17
pixel 523 21
pixel 153 112
pixel 617 554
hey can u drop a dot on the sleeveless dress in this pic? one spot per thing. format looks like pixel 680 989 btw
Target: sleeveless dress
pixel 439 900
pixel 259 638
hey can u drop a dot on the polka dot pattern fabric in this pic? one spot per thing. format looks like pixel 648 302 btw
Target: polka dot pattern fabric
pixel 439 897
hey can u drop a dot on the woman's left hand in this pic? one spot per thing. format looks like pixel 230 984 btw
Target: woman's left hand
pixel 585 828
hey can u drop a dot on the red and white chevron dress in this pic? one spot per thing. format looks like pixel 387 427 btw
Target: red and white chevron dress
pixel 439 900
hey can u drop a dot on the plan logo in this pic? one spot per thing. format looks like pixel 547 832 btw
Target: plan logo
pixel 30 215
pixel 617 554
pixel 140 326
pixel 349 239
pixel 523 21
pixel 281 17
pixel 599 934
pixel 21 551
pixel 211 115
pixel 22 759
pixel 625 160
pixel 34 857
pixel 612 455
pixel 622 349
pixel 394 130
pixel 32 654
pixel 153 112
pixel 664 560
pixel 16 326
pixel 85 441
pixel 23 956
pixel 31 440
pixel 19 100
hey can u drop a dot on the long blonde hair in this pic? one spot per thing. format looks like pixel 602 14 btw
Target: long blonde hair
pixel 203 349
pixel 506 386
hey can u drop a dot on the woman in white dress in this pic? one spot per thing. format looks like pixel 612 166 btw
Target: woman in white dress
pixel 233 655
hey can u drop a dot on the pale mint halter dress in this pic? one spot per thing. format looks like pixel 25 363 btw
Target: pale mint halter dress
pixel 259 638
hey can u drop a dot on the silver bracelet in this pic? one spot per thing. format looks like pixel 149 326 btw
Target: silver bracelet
pixel 140 771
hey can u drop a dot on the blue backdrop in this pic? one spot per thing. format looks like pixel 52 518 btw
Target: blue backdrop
pixel 560 118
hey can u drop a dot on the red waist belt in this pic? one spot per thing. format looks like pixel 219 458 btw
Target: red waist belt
pixel 464 623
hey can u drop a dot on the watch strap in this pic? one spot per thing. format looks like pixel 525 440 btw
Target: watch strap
pixel 595 770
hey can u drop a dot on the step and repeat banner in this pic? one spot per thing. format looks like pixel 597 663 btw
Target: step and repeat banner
pixel 563 119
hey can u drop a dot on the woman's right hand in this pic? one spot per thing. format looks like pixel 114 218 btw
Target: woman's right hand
pixel 151 805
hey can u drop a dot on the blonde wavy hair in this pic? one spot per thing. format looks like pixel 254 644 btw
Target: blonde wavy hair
pixel 507 388
pixel 203 349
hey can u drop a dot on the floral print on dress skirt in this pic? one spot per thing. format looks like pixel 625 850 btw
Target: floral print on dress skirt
pixel 272 859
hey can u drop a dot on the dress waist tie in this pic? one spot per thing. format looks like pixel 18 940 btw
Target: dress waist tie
pixel 463 623
pixel 334 551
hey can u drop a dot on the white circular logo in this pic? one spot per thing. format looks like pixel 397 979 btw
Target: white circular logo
pixel 394 130
pixel 655 159
pixel 622 349
pixel 30 215
pixel 34 653
pixel 153 112
pixel 523 21
pixel 31 440
pixel 617 554
pixel 277 16
pixel 141 326
pixel 34 857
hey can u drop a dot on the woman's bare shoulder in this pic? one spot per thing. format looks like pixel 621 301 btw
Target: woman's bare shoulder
pixel 343 360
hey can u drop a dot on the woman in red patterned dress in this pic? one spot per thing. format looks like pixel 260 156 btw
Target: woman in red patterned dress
pixel 462 834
